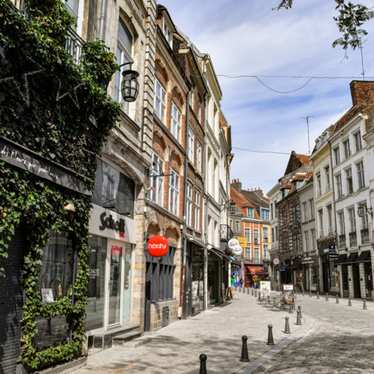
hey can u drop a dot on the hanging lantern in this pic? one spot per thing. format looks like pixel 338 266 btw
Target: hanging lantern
pixel 130 85
pixel 158 246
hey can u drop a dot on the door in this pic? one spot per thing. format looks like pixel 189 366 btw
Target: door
pixel 11 303
pixel 356 281
pixel 114 271
pixel 325 275
pixel 368 279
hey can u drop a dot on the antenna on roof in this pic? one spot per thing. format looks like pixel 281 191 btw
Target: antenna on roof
pixel 307 118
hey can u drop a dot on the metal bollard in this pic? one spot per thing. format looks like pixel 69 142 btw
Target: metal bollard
pixel 298 318
pixel 349 301
pixel 259 296
pixel 252 291
pixel 268 299
pixel 299 310
pixel 287 329
pixel 337 299
pixel 290 309
pixel 270 335
pixel 203 359
pixel 317 295
pixel 364 306
pixel 244 356
pixel 247 291
pixel 327 296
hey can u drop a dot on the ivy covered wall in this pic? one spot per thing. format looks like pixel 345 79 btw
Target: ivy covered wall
pixel 59 110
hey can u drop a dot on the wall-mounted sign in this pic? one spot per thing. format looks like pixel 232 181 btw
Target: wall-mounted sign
pixel 287 287
pixel 237 250
pixel 265 286
pixel 108 222
pixel 158 246
pixel 24 158
pixel 276 261
pixel 233 243
pixel 111 225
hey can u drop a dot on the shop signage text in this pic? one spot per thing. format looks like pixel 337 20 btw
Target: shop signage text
pixel 25 159
pixel 108 222
pixel 158 246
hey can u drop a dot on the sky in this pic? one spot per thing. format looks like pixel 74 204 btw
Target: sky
pixel 248 37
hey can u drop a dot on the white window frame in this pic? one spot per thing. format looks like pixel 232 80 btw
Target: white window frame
pixel 174 192
pixel 360 174
pixel 160 101
pixel 156 180
pixel 358 140
pixel 191 145
pixel 197 210
pixel 199 154
pixel 189 203
pixel 167 32
pixel 176 119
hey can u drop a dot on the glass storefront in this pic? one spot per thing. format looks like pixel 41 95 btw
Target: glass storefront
pixel 109 289
pixel 56 276
pixel 96 284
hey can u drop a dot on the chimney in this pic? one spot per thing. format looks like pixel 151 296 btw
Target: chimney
pixel 236 184
pixel 362 92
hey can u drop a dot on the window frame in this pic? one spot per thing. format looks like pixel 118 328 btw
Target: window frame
pixel 174 192
pixel 159 104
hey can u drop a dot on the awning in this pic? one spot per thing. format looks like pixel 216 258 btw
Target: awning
pixel 255 270
pixel 354 258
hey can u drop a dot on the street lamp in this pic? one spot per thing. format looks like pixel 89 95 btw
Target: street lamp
pixel 130 84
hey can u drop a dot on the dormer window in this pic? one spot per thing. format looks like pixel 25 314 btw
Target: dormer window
pixel 166 30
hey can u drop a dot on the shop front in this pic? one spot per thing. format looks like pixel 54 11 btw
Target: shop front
pixel 215 277
pixel 194 283
pixel 254 274
pixel 111 243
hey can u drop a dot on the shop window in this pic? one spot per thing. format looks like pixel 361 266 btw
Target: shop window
pixel 96 282
pixel 160 277
pixel 114 190
pixel 56 276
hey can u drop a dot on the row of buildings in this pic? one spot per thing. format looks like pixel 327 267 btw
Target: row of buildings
pixel 322 208
pixel 164 171
pixel 250 222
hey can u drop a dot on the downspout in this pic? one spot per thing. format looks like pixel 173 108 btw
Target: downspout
pixel 333 199
pixel 184 286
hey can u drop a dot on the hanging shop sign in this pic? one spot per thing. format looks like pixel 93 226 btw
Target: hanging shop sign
pixel 237 250
pixel 111 225
pixel 233 243
pixel 235 247
pixel 24 158
pixel 158 246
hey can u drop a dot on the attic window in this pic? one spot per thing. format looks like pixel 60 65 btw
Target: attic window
pixel 167 32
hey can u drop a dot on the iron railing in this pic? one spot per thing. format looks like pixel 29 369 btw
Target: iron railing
pixel 74 45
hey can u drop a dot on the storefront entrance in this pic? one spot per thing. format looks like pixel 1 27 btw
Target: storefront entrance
pixel 11 303
pixel 356 281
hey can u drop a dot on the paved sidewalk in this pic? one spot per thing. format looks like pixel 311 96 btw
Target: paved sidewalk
pixel 175 349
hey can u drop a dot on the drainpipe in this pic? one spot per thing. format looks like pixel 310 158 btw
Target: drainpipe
pixel 333 200
pixel 184 285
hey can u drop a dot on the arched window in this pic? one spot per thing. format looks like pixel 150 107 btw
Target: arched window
pixel 124 50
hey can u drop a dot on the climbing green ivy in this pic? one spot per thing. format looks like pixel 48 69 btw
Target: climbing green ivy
pixel 60 110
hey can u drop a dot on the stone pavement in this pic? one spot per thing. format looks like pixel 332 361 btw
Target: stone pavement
pixel 217 332
pixel 341 343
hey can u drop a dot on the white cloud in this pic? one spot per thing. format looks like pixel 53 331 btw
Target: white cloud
pixel 247 37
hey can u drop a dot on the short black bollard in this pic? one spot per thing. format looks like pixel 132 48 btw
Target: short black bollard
pixel 244 356
pixel 259 296
pixel 317 295
pixel 327 296
pixel 252 291
pixel 290 309
pixel 364 306
pixel 270 335
pixel 255 293
pixel 203 359
pixel 349 301
pixel 299 310
pixel 287 329
pixel 298 318
pixel 268 299
pixel 337 299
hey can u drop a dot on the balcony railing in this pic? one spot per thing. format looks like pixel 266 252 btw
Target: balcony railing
pixel 74 45
pixel 226 233
pixel 342 241
pixel 365 238
pixel 353 239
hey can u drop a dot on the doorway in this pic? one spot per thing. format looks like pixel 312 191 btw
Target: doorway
pixel 356 281
pixel 114 271
pixel 11 304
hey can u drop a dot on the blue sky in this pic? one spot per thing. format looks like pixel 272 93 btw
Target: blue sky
pixel 248 37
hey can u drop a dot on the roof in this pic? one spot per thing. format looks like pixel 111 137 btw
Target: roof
pixel 257 199
pixel 296 161
pixel 239 199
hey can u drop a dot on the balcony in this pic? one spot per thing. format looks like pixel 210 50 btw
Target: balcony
pixel 353 239
pixel 225 233
pixel 342 241
pixel 74 45
pixel 365 237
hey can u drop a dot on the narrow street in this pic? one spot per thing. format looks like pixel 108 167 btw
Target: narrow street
pixel 325 343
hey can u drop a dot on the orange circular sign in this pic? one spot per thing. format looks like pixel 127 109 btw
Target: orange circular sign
pixel 158 246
